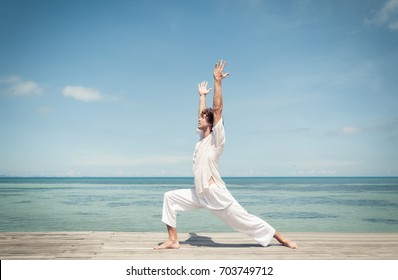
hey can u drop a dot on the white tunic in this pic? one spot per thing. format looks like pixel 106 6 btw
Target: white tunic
pixel 215 197
pixel 206 157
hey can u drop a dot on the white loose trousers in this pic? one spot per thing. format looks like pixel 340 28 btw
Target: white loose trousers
pixel 221 203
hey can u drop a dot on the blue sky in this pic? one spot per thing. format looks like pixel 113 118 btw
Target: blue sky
pixel 109 88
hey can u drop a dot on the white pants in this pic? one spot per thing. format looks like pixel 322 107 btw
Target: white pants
pixel 221 203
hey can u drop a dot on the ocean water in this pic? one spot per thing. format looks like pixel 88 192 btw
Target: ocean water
pixel 318 204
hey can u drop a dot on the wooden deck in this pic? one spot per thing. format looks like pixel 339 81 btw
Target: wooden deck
pixel 202 246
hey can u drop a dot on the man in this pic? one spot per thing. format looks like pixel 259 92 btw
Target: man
pixel 210 191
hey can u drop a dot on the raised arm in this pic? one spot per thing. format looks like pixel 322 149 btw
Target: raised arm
pixel 217 100
pixel 203 91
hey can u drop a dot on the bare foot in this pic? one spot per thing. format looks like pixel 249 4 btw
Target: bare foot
pixel 168 245
pixel 290 244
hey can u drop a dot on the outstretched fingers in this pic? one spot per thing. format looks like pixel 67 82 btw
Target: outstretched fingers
pixel 219 69
pixel 220 65
pixel 202 88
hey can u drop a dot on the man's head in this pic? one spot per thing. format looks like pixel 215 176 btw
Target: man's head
pixel 206 119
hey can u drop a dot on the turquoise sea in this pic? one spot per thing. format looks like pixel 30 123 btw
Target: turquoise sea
pixel 316 204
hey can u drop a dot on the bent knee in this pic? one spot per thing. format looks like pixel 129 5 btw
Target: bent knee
pixel 181 195
pixel 168 195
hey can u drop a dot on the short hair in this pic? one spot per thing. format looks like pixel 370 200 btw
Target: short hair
pixel 209 114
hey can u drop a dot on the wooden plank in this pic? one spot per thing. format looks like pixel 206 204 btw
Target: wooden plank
pixel 139 245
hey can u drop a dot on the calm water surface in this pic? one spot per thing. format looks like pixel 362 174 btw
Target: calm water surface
pixel 135 204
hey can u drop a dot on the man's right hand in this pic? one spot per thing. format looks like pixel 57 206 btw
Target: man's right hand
pixel 202 88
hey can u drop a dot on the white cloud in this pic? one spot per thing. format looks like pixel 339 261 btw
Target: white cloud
pixel 325 167
pixel 316 172
pixel 389 126
pixel 16 86
pixel 389 9
pixel 351 130
pixel 347 130
pixel 82 93
pixel 387 15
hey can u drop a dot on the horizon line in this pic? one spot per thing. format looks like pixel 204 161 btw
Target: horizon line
pixel 287 176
